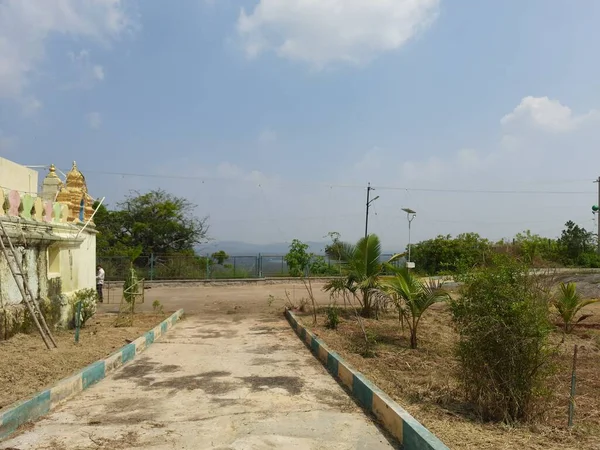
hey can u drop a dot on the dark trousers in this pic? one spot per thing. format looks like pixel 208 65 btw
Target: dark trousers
pixel 99 290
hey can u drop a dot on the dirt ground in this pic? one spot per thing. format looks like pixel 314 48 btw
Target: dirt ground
pixel 215 300
pixel 27 366
pixel 421 381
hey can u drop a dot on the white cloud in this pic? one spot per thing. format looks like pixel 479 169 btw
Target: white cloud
pixel 30 105
pixel 329 31
pixel 545 114
pixel 26 24
pixel 85 73
pixel 98 72
pixel 267 136
pixel 94 120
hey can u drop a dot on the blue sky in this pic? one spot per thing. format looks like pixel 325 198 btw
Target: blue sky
pixel 274 114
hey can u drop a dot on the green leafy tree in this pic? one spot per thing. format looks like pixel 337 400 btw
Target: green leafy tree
pixel 362 271
pixel 568 303
pixel 453 255
pixel 298 258
pixel 412 297
pixel 220 257
pixel 536 250
pixel 574 242
pixel 154 222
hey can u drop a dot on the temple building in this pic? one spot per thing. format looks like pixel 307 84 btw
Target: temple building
pixel 55 238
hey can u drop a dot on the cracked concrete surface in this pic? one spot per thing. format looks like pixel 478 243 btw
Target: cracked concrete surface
pixel 212 383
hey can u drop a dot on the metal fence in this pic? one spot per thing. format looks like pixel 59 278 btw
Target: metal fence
pixel 183 267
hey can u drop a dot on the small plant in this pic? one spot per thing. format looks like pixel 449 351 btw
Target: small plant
pixel 333 317
pixel 270 300
pixel 412 297
pixel 88 299
pixel 303 303
pixel 568 303
pixel 157 307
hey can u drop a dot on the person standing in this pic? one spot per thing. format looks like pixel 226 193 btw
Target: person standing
pixel 100 282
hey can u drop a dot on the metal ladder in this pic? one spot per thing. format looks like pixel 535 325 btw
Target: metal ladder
pixel 30 301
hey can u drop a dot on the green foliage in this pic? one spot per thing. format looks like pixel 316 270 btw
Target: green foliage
pixel 88 299
pixel 157 307
pixel 220 257
pixel 318 266
pixel 334 249
pixel 502 318
pixel 456 256
pixel 536 250
pixel 333 317
pixel 574 242
pixel 412 297
pixel 131 286
pixel 297 258
pixel 155 222
pixel 451 255
pixel 568 303
pixel 362 271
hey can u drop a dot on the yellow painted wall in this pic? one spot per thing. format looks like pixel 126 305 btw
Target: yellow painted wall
pixel 77 264
pixel 14 176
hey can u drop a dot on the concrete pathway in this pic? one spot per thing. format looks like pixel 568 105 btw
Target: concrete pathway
pixel 228 383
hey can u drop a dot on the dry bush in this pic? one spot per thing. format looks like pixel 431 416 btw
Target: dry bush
pixel 502 319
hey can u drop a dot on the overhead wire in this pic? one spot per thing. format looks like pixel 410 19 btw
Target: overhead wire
pixel 357 186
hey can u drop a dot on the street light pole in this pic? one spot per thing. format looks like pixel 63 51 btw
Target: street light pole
pixel 410 216
pixel 369 189
pixel 596 210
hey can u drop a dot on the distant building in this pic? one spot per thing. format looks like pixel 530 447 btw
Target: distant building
pixel 55 241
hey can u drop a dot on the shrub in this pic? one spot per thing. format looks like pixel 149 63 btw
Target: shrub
pixel 157 307
pixel 88 298
pixel 333 317
pixel 502 318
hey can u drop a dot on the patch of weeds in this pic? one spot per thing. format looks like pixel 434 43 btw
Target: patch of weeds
pixel 333 317
pixel 270 300
pixel 303 304
pixel 371 342
pixel 157 307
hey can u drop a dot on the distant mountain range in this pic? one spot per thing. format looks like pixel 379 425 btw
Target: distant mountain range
pixel 238 248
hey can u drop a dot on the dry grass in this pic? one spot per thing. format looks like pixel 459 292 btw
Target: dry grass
pixel 423 382
pixel 27 366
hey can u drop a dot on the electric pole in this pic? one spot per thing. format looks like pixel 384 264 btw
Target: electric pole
pixel 596 210
pixel 369 189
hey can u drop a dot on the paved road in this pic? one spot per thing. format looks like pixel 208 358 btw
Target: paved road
pixel 225 383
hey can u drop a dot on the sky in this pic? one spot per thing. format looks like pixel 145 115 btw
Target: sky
pixel 273 115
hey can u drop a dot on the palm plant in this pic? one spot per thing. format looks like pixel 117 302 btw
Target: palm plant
pixel 568 303
pixel 362 271
pixel 412 297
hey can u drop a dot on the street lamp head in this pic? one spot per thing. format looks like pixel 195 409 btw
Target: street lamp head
pixel 408 211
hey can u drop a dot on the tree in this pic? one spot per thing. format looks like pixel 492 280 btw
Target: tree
pixel 362 271
pixel 412 297
pixel 220 257
pixel 155 222
pixel 447 254
pixel 574 242
pixel 568 303
pixel 297 258
pixel 534 248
